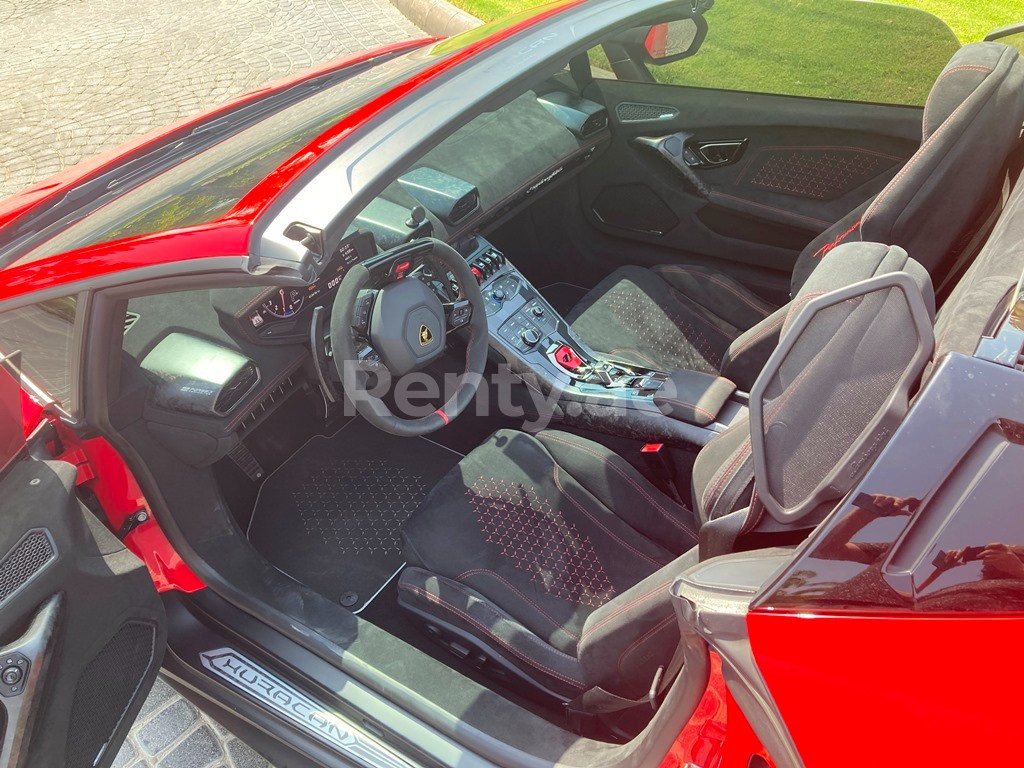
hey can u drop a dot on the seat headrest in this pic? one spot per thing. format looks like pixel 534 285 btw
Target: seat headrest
pixel 850 263
pixel 838 385
pixel 965 73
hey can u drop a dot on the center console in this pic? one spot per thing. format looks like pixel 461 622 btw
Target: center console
pixel 588 388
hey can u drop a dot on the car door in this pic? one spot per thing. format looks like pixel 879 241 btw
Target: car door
pixel 82 629
pixel 784 135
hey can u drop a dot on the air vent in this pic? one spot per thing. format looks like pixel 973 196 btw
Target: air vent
pixel 594 124
pixel 130 318
pixel 236 388
pixel 267 404
pixel 464 207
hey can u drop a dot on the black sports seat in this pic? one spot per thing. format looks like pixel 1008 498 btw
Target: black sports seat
pixel 723 474
pixel 692 317
pixel 549 549
pixel 548 558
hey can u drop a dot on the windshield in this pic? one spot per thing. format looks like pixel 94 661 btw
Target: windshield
pixel 207 185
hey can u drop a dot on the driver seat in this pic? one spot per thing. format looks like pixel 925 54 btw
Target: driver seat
pixel 548 558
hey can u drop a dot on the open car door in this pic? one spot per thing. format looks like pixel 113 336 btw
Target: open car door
pixel 82 630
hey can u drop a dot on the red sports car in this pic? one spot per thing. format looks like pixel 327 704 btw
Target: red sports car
pixel 515 400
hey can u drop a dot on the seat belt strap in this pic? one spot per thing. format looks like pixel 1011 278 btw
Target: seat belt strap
pixel 598 701
pixel 967 255
pixel 579 68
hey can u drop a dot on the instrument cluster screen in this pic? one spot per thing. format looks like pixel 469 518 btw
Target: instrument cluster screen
pixel 278 313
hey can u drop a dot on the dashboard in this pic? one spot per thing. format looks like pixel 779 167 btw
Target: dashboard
pixel 283 314
pixel 483 172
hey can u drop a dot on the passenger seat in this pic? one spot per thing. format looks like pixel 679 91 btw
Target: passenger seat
pixel 680 316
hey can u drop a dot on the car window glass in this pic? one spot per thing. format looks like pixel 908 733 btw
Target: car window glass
pixel 830 49
pixel 208 185
pixel 44 334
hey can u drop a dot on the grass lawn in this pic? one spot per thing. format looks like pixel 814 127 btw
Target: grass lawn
pixel 823 48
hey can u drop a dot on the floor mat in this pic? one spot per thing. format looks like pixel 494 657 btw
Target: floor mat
pixel 331 516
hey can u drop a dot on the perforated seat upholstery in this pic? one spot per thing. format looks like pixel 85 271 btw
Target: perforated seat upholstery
pixel 549 557
pixel 677 316
pixel 723 473
pixel 551 551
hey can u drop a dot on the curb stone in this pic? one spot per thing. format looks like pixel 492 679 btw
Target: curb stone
pixel 437 18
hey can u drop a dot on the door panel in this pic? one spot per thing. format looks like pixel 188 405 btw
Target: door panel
pixel 81 627
pixel 770 172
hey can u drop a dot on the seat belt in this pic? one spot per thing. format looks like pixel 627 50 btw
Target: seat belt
pixel 973 246
pixel 582 711
pixel 579 68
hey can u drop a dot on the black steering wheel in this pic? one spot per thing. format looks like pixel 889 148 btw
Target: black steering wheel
pixel 387 321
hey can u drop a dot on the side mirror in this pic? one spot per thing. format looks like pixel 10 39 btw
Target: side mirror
pixel 674 40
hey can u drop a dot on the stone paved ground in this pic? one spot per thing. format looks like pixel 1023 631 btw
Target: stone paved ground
pixel 171 733
pixel 78 77
pixel 81 76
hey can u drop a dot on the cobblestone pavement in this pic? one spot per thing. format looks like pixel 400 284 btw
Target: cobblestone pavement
pixel 82 76
pixel 171 733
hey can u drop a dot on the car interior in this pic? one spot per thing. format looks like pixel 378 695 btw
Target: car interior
pixel 622 284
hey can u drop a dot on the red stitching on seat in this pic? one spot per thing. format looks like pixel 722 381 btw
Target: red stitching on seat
pixel 608 460
pixel 725 477
pixel 730 354
pixel 538 540
pixel 754 501
pixel 667 621
pixel 714 279
pixel 906 168
pixel 587 631
pixel 798 305
pixel 431 597
pixel 947 73
pixel 647 319
pixel 595 521
pixel 503 580
pixel 678 297
pixel 702 411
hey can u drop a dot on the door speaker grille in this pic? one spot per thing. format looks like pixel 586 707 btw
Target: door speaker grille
pixel 105 691
pixel 631 112
pixel 25 560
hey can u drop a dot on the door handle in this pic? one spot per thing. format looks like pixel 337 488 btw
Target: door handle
pixel 686 149
pixel 714 154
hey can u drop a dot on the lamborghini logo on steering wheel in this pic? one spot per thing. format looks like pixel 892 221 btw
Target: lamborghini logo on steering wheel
pixel 425 336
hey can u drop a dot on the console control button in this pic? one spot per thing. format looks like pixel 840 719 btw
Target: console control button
pixel 460 314
pixel 500 291
pixel 14 668
pixel 519 333
pixel 531 336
